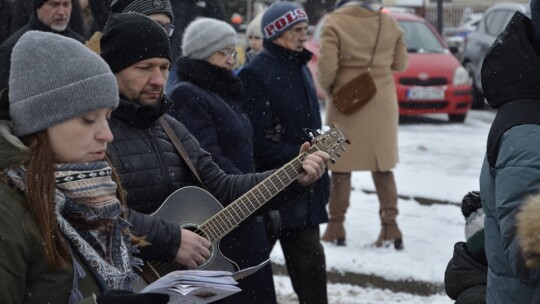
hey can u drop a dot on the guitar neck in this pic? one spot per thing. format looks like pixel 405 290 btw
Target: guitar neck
pixel 227 219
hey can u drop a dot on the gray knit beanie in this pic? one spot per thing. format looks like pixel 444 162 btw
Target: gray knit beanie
pixel 54 79
pixel 205 36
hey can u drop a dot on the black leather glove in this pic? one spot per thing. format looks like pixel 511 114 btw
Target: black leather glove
pixel 128 297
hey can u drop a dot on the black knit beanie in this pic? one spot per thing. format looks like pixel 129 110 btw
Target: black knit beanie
pixel 131 37
pixel 38 3
pixel 145 7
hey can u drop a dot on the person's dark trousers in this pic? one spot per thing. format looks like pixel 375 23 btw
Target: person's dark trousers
pixel 304 256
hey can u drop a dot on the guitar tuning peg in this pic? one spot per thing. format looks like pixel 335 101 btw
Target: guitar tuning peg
pixel 338 155
pixel 342 148
pixel 333 160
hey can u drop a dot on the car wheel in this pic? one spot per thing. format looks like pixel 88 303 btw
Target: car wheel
pixel 478 99
pixel 457 117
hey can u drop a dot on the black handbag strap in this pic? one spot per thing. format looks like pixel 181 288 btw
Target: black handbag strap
pixel 178 145
pixel 376 42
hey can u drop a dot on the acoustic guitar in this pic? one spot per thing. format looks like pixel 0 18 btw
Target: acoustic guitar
pixel 197 210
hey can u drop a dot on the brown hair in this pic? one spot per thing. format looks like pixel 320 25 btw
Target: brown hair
pixel 40 187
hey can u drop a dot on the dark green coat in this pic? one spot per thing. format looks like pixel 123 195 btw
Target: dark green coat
pixel 25 276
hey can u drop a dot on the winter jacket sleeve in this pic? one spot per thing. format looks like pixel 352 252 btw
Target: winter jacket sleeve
pixel 401 57
pixel 193 109
pixel 19 240
pixel 465 279
pixel 271 152
pixel 327 64
pixel 517 175
pixel 164 237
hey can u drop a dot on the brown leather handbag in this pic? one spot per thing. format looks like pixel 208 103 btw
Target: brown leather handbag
pixel 360 90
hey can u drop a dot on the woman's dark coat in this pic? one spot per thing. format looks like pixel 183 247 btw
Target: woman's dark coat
pixel 207 100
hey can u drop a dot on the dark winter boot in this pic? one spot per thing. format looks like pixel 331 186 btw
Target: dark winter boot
pixel 339 202
pixel 388 211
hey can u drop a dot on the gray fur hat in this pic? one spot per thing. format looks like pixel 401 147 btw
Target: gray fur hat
pixel 205 36
pixel 54 79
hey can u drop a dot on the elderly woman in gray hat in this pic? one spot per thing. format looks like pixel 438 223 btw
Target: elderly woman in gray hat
pixel 208 101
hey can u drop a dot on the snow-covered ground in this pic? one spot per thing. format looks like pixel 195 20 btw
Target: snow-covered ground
pixel 438 160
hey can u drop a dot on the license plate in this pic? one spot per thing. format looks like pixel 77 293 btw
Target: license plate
pixel 425 94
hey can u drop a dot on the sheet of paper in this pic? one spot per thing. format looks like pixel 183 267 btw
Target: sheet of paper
pixel 200 286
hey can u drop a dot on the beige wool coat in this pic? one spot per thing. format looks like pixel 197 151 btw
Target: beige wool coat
pixel 347 40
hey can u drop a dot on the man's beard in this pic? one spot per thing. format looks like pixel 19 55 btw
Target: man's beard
pixel 150 103
pixel 59 28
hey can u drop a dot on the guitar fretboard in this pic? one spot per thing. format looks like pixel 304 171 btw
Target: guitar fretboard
pixel 227 219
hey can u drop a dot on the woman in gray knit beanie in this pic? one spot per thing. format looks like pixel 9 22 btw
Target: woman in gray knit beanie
pixel 206 36
pixel 208 101
pixel 63 221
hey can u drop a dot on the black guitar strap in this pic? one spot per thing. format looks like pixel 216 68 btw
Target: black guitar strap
pixel 178 145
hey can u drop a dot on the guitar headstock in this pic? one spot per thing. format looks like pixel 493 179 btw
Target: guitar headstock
pixel 330 140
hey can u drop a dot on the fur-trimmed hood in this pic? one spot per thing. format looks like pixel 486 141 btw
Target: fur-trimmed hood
pixel 528 231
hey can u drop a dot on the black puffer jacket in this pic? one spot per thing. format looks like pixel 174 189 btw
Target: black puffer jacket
pixel 465 278
pixel 151 169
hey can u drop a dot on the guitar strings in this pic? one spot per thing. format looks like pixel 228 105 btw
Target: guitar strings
pixel 289 172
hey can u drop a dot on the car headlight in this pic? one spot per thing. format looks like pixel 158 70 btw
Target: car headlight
pixel 461 76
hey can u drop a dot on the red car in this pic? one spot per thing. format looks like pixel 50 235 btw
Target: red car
pixel 434 82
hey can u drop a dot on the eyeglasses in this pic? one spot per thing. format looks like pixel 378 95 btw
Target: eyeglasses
pixel 228 53
pixel 169 28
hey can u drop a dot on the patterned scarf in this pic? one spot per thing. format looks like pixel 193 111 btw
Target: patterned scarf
pixel 89 216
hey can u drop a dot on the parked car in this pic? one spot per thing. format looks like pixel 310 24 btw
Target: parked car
pixel 470 24
pixel 478 42
pixel 434 82
pixel 455 36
